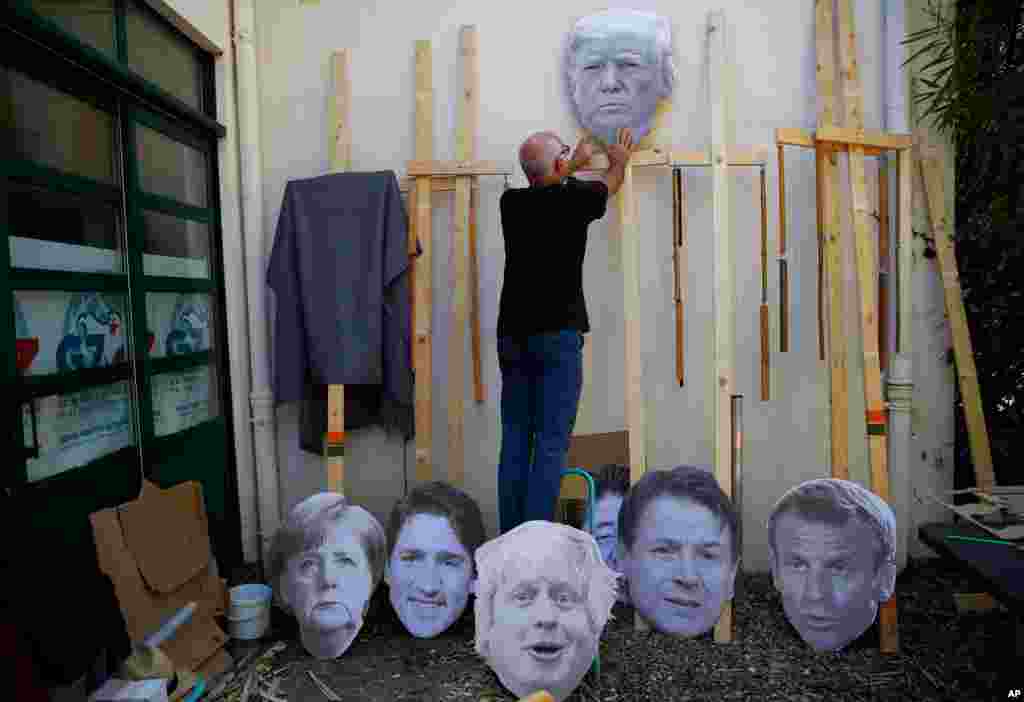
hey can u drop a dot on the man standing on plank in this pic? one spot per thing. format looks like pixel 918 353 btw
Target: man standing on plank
pixel 543 316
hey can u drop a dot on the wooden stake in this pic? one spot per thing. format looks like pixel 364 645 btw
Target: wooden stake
pixel 766 368
pixel 867 285
pixel 832 249
pixel 340 148
pixel 720 82
pixel 933 174
pixel 883 264
pixel 474 297
pixel 783 263
pixel 423 281
pixel 464 151
pixel 819 174
pixel 679 234
pixel 905 262
pixel 635 415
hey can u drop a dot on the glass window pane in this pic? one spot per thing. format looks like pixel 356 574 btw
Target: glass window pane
pixel 179 323
pixel 56 332
pixel 67 431
pixel 59 231
pixel 161 56
pixel 52 128
pixel 170 168
pixel 175 247
pixel 183 399
pixel 92 21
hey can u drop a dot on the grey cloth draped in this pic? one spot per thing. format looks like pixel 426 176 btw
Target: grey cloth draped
pixel 338 271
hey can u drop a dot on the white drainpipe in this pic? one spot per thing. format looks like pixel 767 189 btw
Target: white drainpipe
pixel 261 397
pixel 899 382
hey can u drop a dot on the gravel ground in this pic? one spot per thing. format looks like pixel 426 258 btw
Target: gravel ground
pixel 943 656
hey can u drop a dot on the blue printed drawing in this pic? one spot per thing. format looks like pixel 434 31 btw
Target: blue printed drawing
pixel 93 334
pixel 190 330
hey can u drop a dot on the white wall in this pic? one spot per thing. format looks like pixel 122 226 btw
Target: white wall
pixel 521 91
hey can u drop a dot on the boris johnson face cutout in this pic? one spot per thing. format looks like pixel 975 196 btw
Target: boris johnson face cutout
pixel 328 587
pixel 680 568
pixel 430 575
pixel 544 609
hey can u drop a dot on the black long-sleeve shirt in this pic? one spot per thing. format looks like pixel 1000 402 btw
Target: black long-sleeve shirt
pixel 545 231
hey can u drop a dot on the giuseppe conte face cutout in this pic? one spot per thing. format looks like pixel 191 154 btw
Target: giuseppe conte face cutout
pixel 680 568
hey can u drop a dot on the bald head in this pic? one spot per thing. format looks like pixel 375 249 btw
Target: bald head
pixel 538 153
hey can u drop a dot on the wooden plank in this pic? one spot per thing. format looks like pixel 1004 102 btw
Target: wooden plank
pixel 474 298
pixel 933 174
pixel 831 246
pixel 904 251
pixel 465 138
pixel 720 82
pixel 423 288
pixel 635 415
pixel 341 138
pixel 854 135
pixel 766 367
pixel 340 147
pixel 819 206
pixel 461 167
pixel 808 140
pixel 864 247
pixel 678 157
pixel 884 264
pixel 438 184
pixel 679 270
pixel 783 263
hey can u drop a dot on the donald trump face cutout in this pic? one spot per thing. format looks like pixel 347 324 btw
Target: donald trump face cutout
pixel 544 597
pixel 433 533
pixel 833 559
pixel 619 70
pixel 326 560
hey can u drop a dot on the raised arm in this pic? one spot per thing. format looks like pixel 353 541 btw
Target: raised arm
pixel 618 158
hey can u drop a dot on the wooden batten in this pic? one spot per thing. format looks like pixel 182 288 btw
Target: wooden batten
pixel 465 140
pixel 831 246
pixel 339 141
pixel 864 246
pixel 933 174
pixel 461 167
pixel 423 280
pixel 720 81
pixel 905 250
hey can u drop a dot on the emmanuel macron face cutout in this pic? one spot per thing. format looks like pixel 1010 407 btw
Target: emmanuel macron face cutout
pixel 681 568
pixel 828 580
pixel 430 575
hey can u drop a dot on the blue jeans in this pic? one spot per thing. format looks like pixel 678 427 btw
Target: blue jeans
pixel 542 377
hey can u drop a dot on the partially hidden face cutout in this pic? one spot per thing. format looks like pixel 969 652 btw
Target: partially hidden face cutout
pixel 429 574
pixel 606 532
pixel 619 72
pixel 327 574
pixel 833 559
pixel 544 595
pixel 680 568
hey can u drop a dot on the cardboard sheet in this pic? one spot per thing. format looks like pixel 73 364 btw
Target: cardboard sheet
pixel 168 526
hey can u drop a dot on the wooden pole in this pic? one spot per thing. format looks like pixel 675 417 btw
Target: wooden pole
pixel 678 270
pixel 864 247
pixel 819 192
pixel 720 83
pixel 340 148
pixel 474 296
pixel 783 263
pixel 933 174
pixel 884 264
pixel 766 368
pixel 423 281
pixel 464 151
pixel 905 250
pixel 832 249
